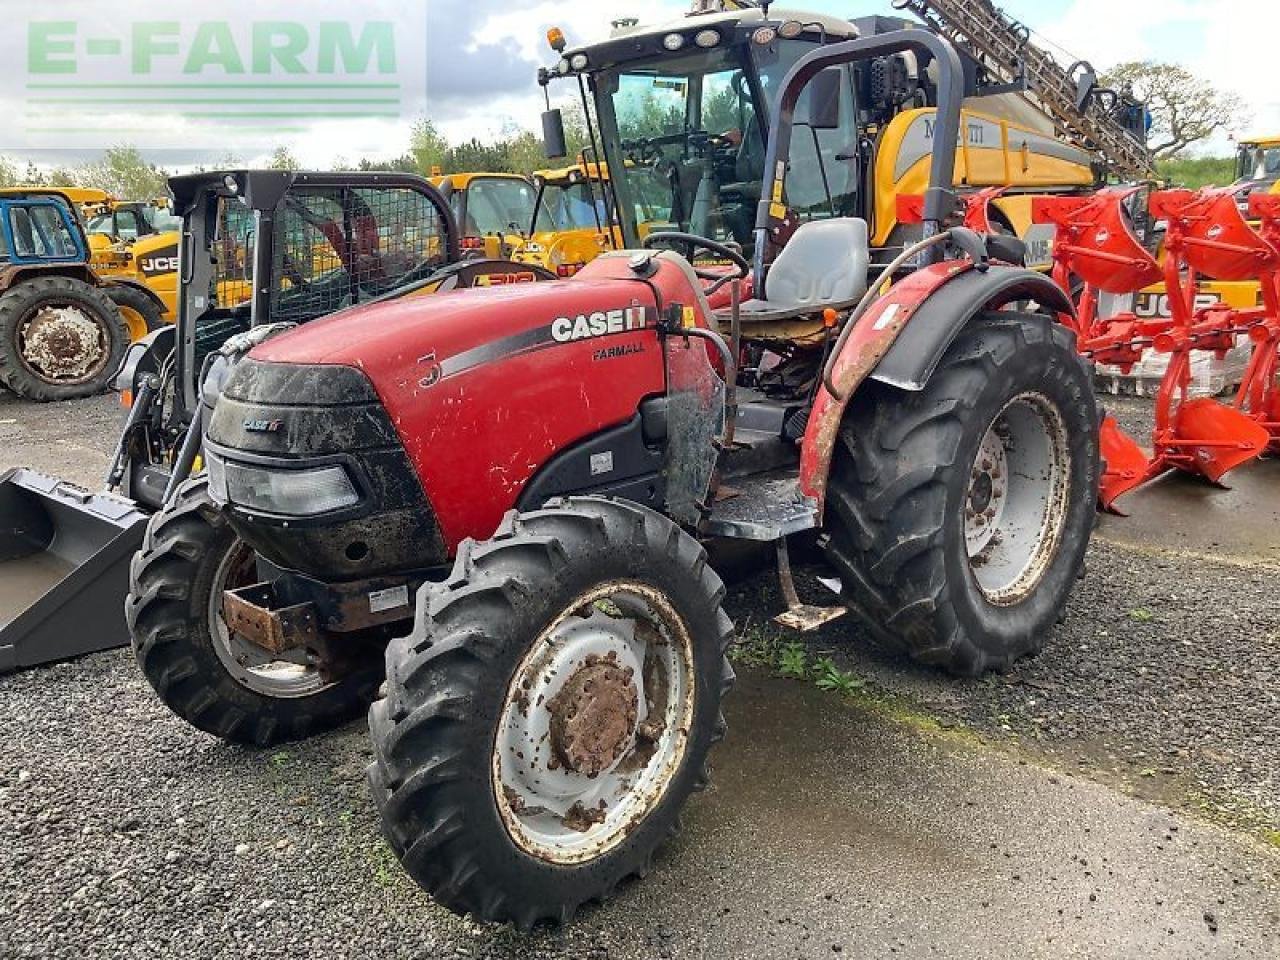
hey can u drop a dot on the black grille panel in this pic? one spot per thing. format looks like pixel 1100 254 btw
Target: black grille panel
pixel 325 414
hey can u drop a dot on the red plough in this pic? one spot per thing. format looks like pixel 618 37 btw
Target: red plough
pixel 1205 236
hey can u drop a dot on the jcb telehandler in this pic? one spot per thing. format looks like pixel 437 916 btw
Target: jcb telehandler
pixel 263 246
pixel 495 503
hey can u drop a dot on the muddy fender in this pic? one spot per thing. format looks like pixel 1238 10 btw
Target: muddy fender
pixel 919 347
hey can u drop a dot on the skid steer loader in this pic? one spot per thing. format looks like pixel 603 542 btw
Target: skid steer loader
pixel 262 250
pixel 489 509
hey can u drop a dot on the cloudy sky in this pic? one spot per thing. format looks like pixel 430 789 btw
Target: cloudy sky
pixel 481 57
pixel 1203 35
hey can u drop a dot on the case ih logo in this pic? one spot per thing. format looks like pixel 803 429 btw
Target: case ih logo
pixel 263 426
pixel 598 324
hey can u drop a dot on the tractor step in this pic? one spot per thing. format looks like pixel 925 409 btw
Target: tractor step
pixel 764 506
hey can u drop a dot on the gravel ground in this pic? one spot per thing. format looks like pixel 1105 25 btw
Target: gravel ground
pixel 910 817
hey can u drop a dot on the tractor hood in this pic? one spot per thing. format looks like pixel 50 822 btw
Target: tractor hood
pixel 481 389
pixel 399 343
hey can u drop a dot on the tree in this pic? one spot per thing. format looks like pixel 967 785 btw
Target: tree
pixel 122 172
pixel 427 145
pixel 1184 108
pixel 282 159
pixel 474 156
pixel 8 173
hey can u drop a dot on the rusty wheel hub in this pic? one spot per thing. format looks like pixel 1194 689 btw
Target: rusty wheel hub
pixel 595 724
pixel 593 717
pixel 64 344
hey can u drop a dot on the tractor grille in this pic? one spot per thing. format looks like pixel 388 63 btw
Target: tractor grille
pixel 326 414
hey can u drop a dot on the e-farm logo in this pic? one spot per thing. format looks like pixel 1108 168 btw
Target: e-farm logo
pixel 256 71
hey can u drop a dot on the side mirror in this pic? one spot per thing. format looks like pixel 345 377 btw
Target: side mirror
pixel 553 140
pixel 824 100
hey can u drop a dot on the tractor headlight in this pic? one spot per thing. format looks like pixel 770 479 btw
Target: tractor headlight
pixel 578 61
pixel 672 42
pixel 289 493
pixel 217 475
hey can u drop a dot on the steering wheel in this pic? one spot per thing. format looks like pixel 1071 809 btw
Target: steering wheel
pixel 691 242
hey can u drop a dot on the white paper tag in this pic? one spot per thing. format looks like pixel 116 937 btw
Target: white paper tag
pixel 389 598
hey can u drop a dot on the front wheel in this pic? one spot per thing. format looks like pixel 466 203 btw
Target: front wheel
pixel 208 675
pixel 959 515
pixel 551 711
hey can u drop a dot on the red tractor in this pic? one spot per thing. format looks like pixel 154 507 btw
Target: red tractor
pixel 495 502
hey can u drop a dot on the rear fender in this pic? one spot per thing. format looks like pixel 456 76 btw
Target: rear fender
pixel 902 337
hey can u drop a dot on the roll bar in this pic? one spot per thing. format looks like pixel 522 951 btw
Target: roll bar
pixel 939 197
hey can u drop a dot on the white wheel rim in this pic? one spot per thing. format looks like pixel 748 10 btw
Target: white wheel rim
pixel 569 794
pixel 293 673
pixel 1015 505
pixel 62 344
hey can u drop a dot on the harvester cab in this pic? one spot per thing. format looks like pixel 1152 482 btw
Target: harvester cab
pixel 495 504
pixel 263 250
pixel 1258 165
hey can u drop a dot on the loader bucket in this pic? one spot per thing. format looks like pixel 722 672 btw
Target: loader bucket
pixel 1218 438
pixel 64 568
pixel 1126 464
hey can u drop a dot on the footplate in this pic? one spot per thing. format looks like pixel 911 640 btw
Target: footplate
pixel 764 506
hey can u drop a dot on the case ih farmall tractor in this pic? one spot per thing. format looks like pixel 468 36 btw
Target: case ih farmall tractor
pixel 496 502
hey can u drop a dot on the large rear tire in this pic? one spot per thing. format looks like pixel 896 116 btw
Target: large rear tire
pixel 551 711
pixel 959 515
pixel 60 339
pixel 214 680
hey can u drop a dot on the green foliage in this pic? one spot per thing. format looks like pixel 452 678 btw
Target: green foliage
pixel 793 661
pixel 1185 109
pixel 427 146
pixel 757 646
pixel 282 159
pixel 1197 172
pixel 122 172
pixel 1142 615
pixel 829 677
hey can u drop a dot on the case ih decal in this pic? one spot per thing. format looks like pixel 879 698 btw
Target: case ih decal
pixel 598 324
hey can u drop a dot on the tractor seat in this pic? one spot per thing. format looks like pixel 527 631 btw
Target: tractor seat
pixel 824 264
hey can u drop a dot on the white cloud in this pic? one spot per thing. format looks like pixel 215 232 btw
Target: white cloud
pixel 1219 40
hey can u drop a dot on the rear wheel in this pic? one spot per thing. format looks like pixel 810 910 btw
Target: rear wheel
pixel 959 515
pixel 213 678
pixel 551 711
pixel 141 313
pixel 60 338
